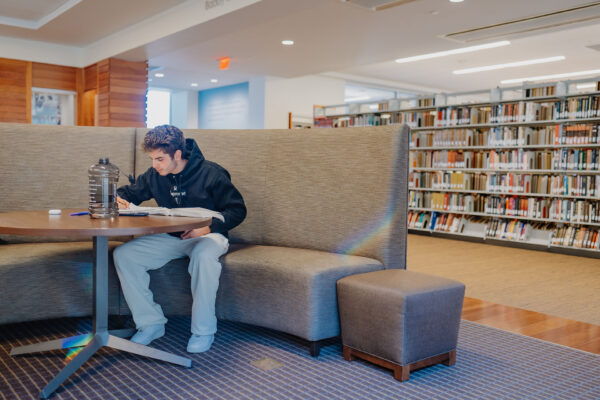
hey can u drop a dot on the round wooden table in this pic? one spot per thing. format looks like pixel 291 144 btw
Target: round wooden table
pixel 41 223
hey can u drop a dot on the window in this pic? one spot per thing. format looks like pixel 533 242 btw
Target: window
pixel 158 109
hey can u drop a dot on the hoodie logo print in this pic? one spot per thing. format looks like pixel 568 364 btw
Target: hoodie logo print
pixel 177 195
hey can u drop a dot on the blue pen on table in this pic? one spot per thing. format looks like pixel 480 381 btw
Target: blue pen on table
pixel 79 213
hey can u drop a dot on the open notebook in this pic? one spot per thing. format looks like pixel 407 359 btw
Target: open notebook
pixel 197 212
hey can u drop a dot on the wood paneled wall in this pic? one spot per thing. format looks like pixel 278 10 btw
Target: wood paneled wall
pixel 91 77
pixel 15 91
pixel 120 86
pixel 54 76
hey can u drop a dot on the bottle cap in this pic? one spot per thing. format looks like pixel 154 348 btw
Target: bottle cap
pixel 103 160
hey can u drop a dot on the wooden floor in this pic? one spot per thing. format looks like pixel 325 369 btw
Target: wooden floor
pixel 570 333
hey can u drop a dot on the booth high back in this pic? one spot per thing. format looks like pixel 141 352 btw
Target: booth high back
pixel 322 204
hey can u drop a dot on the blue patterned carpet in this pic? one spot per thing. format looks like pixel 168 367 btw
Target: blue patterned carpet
pixel 491 364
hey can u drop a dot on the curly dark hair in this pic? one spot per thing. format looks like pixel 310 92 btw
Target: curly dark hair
pixel 168 138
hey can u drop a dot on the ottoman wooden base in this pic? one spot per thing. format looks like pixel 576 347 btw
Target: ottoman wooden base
pixel 401 372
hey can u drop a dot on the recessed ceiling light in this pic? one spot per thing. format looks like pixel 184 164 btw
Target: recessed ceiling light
pixel 287 42
pixel 456 1
pixel 159 74
pixel 455 51
pixel 194 84
pixel 555 76
pixel 214 80
pixel 508 65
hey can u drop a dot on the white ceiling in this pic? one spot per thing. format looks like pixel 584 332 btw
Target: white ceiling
pixel 30 10
pixel 332 37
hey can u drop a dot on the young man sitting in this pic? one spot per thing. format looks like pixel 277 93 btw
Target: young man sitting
pixel 179 177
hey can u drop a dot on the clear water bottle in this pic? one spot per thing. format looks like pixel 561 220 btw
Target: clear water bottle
pixel 103 178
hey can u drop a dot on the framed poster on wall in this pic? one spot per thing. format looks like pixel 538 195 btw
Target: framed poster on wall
pixel 52 107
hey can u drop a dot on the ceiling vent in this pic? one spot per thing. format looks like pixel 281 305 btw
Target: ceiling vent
pixel 377 5
pixel 554 20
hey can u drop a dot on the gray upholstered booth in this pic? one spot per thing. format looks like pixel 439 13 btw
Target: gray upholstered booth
pixel 322 204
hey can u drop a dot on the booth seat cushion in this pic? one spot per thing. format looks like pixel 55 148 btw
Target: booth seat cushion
pixel 50 280
pixel 287 289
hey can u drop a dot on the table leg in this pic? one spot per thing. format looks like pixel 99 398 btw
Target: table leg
pixel 101 336
pixel 71 367
pixel 66 343
pixel 140 349
pixel 100 284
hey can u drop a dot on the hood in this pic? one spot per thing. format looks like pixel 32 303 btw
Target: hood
pixel 193 154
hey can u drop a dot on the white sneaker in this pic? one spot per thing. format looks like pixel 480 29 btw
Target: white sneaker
pixel 147 334
pixel 200 343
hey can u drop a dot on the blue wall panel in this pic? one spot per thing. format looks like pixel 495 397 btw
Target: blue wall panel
pixel 224 108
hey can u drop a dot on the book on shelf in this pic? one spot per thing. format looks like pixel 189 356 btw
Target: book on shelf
pixel 540 91
pixel 194 212
pixel 576 237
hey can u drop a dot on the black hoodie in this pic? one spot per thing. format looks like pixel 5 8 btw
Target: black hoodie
pixel 202 183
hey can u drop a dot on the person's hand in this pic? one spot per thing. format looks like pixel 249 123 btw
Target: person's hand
pixel 122 202
pixel 193 233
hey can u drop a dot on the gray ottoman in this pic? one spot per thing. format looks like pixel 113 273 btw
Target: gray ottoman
pixel 400 319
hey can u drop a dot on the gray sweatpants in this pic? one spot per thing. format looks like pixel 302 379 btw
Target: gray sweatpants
pixel 134 259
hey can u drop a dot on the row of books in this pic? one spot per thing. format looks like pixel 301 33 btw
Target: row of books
pixel 575 211
pixel 518 111
pixel 436 221
pixel 540 92
pixel 414 119
pixel 570 236
pixel 441 180
pixel 508 229
pixel 587 106
pixel 576 237
pixel 447 223
pixel 442 201
pixel 522 111
pixel 560 185
pixel 509 183
pixel 587 211
pixel 578 134
pixel 426 102
pixel 354 121
pixel 418 220
pixel 578 107
pixel 567 159
pixel 517 159
pixel 583 134
pixel 463 115
pixel 579 159
pixel 498 136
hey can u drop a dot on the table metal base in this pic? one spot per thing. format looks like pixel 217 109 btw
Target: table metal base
pixel 101 336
